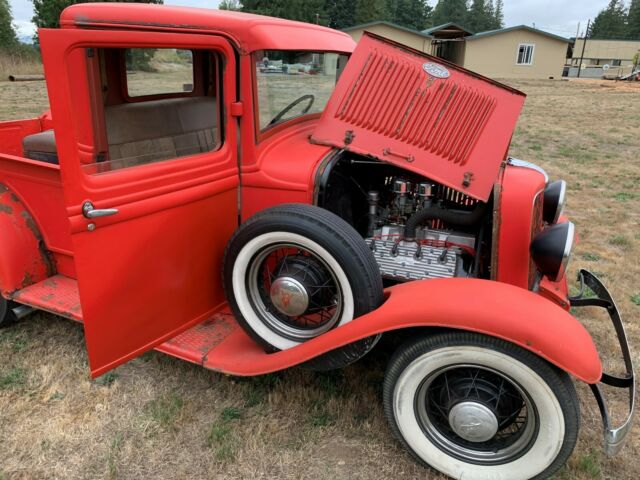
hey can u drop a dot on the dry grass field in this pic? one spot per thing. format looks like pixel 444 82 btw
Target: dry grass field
pixel 158 417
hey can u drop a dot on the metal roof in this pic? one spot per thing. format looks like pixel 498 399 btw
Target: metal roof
pixel 489 33
pixel 388 24
pixel 432 30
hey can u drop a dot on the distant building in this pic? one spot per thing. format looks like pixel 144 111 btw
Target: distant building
pixel 514 52
pixel 603 58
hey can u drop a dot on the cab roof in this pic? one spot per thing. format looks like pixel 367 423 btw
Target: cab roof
pixel 249 32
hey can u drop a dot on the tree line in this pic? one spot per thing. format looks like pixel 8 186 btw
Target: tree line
pixel 617 21
pixel 475 15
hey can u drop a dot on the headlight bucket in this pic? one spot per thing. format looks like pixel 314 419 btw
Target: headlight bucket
pixel 551 249
pixel 555 197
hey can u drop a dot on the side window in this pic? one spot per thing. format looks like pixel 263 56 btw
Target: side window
pixel 154 105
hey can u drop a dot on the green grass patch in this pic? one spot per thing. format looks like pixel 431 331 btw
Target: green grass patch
pixel 164 410
pixel 107 379
pixel 221 437
pixel 624 196
pixel 15 377
pixel 589 463
pixel 591 257
pixel 620 241
pixel 14 339
pixel 636 299
pixel 114 451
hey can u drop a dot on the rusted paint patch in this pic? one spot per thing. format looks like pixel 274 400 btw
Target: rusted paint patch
pixel 8 209
pixel 47 260
pixel 27 279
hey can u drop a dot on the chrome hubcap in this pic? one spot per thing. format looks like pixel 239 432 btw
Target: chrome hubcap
pixel 473 421
pixel 289 296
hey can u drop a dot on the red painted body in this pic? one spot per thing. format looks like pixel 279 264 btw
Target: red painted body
pixel 149 277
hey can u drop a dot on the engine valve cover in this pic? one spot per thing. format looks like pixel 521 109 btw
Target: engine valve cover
pixel 411 261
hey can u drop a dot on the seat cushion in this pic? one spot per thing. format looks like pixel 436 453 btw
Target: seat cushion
pixel 143 132
pixel 41 146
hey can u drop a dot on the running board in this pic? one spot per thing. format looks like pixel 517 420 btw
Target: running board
pixel 57 294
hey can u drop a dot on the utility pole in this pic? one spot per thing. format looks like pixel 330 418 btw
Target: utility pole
pixel 584 44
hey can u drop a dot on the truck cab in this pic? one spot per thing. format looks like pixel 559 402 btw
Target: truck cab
pixel 250 194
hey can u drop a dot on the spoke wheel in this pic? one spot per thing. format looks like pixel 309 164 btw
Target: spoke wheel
pixel 476 414
pixel 294 272
pixel 476 407
pixel 296 293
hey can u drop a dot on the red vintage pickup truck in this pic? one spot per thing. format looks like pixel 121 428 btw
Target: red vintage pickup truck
pixel 250 194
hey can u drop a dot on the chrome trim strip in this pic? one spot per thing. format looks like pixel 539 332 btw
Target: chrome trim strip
pixel 516 162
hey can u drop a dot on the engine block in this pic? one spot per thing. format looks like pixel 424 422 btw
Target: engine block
pixel 431 256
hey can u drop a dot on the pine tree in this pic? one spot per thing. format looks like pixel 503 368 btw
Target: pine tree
pixel 611 22
pixel 340 13
pixel 229 5
pixel 414 14
pixel 311 11
pixel 8 38
pixel 633 21
pixel 46 13
pixel 450 11
pixel 371 10
pixel 498 15
pixel 480 16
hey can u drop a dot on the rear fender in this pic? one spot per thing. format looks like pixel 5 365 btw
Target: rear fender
pixel 488 307
pixel 23 258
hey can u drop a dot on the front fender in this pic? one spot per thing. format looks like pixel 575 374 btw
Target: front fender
pixel 488 307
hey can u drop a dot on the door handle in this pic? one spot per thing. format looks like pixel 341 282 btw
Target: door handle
pixel 89 212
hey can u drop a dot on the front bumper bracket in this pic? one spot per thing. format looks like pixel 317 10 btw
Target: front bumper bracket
pixel 613 437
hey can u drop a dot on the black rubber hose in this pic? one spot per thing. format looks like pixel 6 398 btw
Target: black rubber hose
pixel 453 217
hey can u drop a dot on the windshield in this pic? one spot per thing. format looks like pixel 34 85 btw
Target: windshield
pixel 294 83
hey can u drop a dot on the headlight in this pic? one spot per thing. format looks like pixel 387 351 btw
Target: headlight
pixel 555 197
pixel 551 249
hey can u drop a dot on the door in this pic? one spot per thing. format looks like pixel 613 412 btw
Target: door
pixel 423 114
pixel 149 169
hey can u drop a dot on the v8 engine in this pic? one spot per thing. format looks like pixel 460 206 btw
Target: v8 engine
pixel 416 228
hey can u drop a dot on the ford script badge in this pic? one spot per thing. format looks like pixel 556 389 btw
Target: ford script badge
pixel 436 70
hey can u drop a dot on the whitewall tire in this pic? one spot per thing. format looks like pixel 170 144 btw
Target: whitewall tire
pixel 478 408
pixel 294 272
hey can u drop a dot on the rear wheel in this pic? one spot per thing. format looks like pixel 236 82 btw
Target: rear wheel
pixel 7 316
pixel 476 407
pixel 296 271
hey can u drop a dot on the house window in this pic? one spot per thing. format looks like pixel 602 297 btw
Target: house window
pixel 616 63
pixel 525 54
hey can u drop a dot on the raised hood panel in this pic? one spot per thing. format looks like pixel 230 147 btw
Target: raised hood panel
pixel 421 113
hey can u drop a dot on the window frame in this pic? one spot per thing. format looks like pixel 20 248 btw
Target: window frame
pixel 525 45
pixel 263 134
pixel 170 171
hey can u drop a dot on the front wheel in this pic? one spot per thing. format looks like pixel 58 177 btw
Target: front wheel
pixel 476 407
pixel 294 272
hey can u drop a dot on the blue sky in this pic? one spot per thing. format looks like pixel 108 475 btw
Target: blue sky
pixel 556 16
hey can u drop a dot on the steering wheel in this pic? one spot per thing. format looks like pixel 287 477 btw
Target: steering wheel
pixel 285 110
